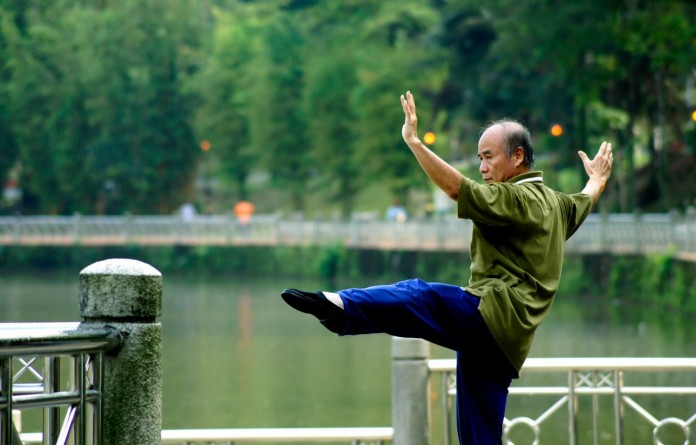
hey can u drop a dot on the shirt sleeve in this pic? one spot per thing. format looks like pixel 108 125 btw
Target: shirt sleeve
pixel 577 207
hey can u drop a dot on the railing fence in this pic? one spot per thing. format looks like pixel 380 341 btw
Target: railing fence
pixel 102 375
pixel 56 367
pixel 618 233
pixel 565 383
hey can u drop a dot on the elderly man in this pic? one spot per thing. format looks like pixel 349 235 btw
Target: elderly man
pixel 519 229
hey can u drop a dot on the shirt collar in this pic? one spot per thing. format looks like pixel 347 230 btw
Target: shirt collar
pixel 533 176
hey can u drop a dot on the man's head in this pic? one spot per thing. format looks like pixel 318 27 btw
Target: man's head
pixel 505 150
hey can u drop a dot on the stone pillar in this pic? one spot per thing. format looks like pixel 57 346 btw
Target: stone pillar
pixel 127 295
pixel 410 412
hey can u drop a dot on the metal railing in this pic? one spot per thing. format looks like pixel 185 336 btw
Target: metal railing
pixel 355 436
pixel 36 357
pixel 57 368
pixel 593 377
pixel 619 233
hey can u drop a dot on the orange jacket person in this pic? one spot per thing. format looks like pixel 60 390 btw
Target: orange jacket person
pixel 244 210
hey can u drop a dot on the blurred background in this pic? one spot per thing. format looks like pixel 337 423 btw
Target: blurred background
pixel 115 107
pixel 191 107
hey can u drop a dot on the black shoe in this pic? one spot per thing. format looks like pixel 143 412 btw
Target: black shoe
pixel 315 303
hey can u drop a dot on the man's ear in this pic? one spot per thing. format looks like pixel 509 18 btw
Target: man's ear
pixel 518 156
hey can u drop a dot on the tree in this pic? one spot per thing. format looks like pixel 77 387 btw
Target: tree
pixel 224 86
pixel 331 134
pixel 277 122
pixel 46 117
pixel 97 108
pixel 144 146
pixel 551 61
pixel 394 53
pixel 656 42
pixel 8 144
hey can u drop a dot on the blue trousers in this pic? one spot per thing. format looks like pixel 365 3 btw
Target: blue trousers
pixel 448 316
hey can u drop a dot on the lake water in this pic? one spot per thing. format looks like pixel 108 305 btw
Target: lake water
pixel 235 356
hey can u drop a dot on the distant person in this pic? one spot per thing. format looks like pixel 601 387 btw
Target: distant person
pixel 187 212
pixel 244 210
pixel 396 212
pixel 519 229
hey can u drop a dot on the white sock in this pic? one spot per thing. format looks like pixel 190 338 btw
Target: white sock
pixel 334 298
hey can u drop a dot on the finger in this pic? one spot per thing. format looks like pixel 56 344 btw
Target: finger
pixel 406 108
pixel 411 101
pixel 602 148
pixel 583 156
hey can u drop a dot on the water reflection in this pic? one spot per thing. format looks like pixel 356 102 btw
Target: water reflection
pixel 592 326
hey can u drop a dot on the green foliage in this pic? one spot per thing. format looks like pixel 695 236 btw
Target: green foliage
pixel 574 278
pixel 657 282
pixel 223 86
pixel 657 272
pixel 278 124
pixel 103 104
pixel 392 56
pixel 331 138
pixel 690 297
pixel 99 117
pixel 8 145
pixel 676 288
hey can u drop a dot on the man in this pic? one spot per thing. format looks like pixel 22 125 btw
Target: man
pixel 517 246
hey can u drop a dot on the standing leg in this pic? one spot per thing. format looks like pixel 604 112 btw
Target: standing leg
pixel 481 400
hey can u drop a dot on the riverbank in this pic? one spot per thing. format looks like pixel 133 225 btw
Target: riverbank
pixel 663 281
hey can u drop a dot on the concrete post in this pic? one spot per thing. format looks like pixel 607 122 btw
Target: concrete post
pixel 127 295
pixel 410 407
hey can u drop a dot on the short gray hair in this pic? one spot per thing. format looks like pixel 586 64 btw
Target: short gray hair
pixel 515 135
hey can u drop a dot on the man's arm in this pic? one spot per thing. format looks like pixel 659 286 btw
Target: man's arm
pixel 448 178
pixel 598 170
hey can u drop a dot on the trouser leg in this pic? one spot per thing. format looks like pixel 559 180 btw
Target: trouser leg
pixel 481 401
pixel 439 313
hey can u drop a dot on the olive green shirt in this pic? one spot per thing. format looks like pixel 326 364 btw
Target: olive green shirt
pixel 517 245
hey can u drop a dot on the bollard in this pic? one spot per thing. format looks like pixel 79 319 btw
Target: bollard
pixel 410 407
pixel 127 294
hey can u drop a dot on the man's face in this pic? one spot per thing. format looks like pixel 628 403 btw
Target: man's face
pixel 495 165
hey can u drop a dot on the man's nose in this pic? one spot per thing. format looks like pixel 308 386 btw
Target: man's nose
pixel 483 167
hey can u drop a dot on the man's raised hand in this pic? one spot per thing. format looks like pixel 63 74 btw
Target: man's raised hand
pixel 410 129
pixel 598 168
